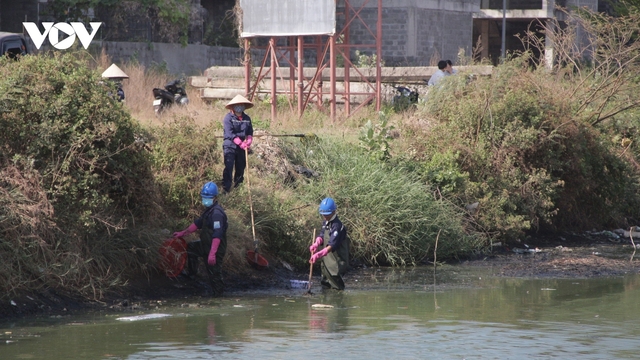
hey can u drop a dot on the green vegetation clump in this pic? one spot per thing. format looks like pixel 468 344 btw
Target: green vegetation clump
pixel 535 149
pixel 392 216
pixel 75 180
pixel 183 158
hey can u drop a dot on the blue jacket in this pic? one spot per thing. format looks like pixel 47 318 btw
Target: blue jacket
pixel 236 127
pixel 337 233
pixel 215 219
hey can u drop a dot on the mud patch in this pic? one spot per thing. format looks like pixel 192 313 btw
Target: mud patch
pixel 565 259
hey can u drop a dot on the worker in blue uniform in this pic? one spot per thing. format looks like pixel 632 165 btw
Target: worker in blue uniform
pixel 212 244
pixel 332 246
pixel 238 137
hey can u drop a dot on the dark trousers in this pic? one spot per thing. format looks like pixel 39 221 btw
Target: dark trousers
pixel 199 249
pixel 330 281
pixel 233 157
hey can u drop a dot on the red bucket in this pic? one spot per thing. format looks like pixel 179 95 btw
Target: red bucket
pixel 173 256
pixel 256 260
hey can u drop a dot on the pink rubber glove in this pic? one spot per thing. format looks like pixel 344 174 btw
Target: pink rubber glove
pixel 244 146
pixel 237 141
pixel 211 260
pixel 314 247
pixel 320 254
pixel 186 231
pixel 249 141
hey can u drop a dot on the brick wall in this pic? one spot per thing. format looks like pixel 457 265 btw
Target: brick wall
pixel 512 4
pixel 413 36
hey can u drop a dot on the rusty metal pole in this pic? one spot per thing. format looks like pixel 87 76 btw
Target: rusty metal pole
pixel 332 65
pixel 274 63
pixel 292 67
pixel 319 60
pixel 347 68
pixel 378 57
pixel 247 68
pixel 300 75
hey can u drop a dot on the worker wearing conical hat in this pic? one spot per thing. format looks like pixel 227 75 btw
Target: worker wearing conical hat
pixel 115 74
pixel 238 136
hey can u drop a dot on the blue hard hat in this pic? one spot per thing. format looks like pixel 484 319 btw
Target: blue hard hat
pixel 327 206
pixel 209 190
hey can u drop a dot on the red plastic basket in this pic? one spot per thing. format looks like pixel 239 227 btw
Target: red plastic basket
pixel 173 256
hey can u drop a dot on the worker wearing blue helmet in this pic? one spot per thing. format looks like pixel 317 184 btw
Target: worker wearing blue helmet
pixel 333 246
pixel 212 245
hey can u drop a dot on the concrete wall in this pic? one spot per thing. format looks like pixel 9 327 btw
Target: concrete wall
pixel 591 4
pixel 582 38
pixel 190 60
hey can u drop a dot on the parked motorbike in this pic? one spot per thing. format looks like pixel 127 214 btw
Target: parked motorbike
pixel 405 98
pixel 173 93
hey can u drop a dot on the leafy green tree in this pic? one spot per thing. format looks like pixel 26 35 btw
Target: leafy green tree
pixel 170 17
pixel 624 7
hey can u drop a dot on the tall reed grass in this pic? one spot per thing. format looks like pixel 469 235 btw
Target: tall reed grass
pixel 392 216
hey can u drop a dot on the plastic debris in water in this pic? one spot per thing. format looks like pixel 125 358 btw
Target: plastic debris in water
pixel 322 306
pixel 143 317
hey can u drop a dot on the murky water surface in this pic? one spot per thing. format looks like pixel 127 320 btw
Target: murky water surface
pixel 387 314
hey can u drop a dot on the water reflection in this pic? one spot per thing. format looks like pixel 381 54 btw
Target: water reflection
pixel 409 314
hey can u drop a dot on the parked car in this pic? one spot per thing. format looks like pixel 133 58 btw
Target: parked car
pixel 12 44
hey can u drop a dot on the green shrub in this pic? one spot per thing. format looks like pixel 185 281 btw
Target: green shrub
pixel 69 147
pixel 443 172
pixel 391 216
pixel 375 138
pixel 531 162
pixel 184 156
pixel 79 138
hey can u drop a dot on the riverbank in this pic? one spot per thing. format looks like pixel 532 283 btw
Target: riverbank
pixel 567 256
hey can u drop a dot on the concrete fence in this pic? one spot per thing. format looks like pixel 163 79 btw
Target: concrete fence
pixel 180 60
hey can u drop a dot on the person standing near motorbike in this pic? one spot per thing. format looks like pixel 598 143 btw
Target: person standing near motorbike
pixel 213 239
pixel 335 247
pixel 238 137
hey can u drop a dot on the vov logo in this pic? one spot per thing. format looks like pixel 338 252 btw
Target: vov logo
pixel 53 30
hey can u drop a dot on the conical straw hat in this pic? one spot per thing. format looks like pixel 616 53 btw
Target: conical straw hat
pixel 114 72
pixel 239 99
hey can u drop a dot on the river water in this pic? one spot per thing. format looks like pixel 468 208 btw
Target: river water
pixel 384 314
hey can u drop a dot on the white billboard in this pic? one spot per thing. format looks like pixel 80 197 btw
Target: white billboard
pixel 288 17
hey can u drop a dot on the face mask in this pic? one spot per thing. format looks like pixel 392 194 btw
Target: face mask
pixel 238 108
pixel 207 202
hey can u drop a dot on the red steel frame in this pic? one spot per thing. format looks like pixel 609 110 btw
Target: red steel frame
pixel 309 90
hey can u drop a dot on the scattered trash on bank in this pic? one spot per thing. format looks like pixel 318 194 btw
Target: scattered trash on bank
pixel 299 284
pixel 526 251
